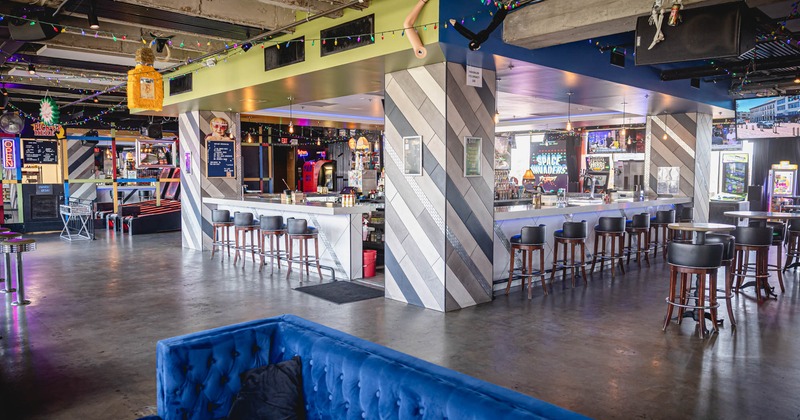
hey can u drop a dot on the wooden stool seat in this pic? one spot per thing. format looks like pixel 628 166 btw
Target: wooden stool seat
pixel 701 261
pixel 530 239
pixel 612 228
pixel 298 230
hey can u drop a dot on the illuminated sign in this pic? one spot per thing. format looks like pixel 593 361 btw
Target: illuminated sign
pixel 9 154
pixel 550 163
pixel 302 153
pixel 44 130
pixel 598 163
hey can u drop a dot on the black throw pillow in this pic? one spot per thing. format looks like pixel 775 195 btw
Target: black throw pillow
pixel 272 392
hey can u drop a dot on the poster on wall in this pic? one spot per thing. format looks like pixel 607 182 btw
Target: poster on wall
pixel 502 153
pixel 669 180
pixel 412 155
pixel 549 164
pixel 472 156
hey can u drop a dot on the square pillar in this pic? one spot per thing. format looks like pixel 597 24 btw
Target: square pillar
pixel 440 224
pixel 194 127
pixel 688 147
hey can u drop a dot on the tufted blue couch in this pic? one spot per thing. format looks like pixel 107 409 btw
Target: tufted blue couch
pixel 344 377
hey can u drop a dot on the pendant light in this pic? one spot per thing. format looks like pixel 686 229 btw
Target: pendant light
pixel 93 22
pixel 291 123
pixel 624 132
pixel 569 112
pixel 666 119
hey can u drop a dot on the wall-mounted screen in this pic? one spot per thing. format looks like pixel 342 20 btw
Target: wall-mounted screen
pixel 771 117
pixel 723 136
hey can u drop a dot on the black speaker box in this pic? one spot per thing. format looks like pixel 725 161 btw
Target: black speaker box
pixel 725 30
pixel 573 147
pixel 22 30
pixel 153 131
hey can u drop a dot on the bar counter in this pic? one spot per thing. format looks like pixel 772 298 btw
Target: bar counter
pixel 509 220
pixel 340 228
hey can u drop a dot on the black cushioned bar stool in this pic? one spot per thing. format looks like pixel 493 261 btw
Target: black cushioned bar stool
pixel 793 244
pixel 612 228
pixel 758 240
pixel 685 215
pixel 530 239
pixel 728 253
pixel 639 227
pixel 298 230
pixel 659 231
pixel 242 224
pixel 778 237
pixel 221 223
pixel 571 235
pixel 271 228
pixel 686 260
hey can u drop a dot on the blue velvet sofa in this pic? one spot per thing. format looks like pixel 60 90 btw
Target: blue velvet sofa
pixel 344 377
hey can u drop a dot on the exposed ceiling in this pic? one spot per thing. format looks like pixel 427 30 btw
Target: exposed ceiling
pixel 80 61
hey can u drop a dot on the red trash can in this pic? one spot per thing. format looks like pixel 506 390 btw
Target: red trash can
pixel 370 256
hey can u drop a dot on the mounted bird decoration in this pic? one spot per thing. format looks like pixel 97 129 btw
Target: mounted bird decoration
pixel 475 40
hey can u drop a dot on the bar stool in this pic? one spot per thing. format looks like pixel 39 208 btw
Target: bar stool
pixel 298 230
pixel 5 236
pixel 793 244
pixel 659 226
pixel 221 223
pixel 757 239
pixel 639 227
pixel 728 253
pixel 778 236
pixel 272 227
pixel 572 234
pixel 702 260
pixel 530 239
pixel 243 223
pixel 685 215
pixel 609 228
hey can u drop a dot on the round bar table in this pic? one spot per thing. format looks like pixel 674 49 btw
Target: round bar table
pixel 699 231
pixel 792 207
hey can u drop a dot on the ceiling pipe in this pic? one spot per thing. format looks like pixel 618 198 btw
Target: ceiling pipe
pixel 252 40
pixel 735 67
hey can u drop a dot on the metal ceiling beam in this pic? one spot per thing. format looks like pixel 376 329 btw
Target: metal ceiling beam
pixel 74 64
pixel 12 87
pixel 725 68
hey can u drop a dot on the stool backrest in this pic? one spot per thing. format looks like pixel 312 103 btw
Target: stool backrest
pixel 575 229
pixel 611 224
pixel 641 220
pixel 727 241
pixel 778 230
pixel 271 222
pixel 296 226
pixel 794 225
pixel 687 214
pixel 220 216
pixel 665 216
pixel 533 235
pixel 695 256
pixel 242 219
pixel 754 236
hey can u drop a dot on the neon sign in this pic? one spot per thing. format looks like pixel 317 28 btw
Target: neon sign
pixel 550 163
pixel 9 154
pixel 302 153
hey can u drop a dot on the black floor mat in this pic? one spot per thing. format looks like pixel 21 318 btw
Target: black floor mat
pixel 342 292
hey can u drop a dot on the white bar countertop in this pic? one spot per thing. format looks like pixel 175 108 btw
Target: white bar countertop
pixel 331 209
pixel 525 211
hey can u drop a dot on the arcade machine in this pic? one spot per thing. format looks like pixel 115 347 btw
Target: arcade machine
pixel 320 173
pixel 599 167
pixel 782 179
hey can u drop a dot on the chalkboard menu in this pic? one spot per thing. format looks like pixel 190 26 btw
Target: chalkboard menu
pixel 40 151
pixel 220 159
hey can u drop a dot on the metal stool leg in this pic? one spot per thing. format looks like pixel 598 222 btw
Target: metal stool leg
pixel 7 262
pixel 20 284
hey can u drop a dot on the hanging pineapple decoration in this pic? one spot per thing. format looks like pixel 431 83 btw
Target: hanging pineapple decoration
pixel 145 84
pixel 48 111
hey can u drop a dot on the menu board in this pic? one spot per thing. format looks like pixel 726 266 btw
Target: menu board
pixel 220 159
pixel 472 156
pixel 40 151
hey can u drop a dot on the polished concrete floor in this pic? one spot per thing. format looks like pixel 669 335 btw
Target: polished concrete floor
pixel 85 348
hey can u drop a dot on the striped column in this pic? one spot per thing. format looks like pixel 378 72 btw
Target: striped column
pixel 195 216
pixel 439 226
pixel 81 166
pixel 688 147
